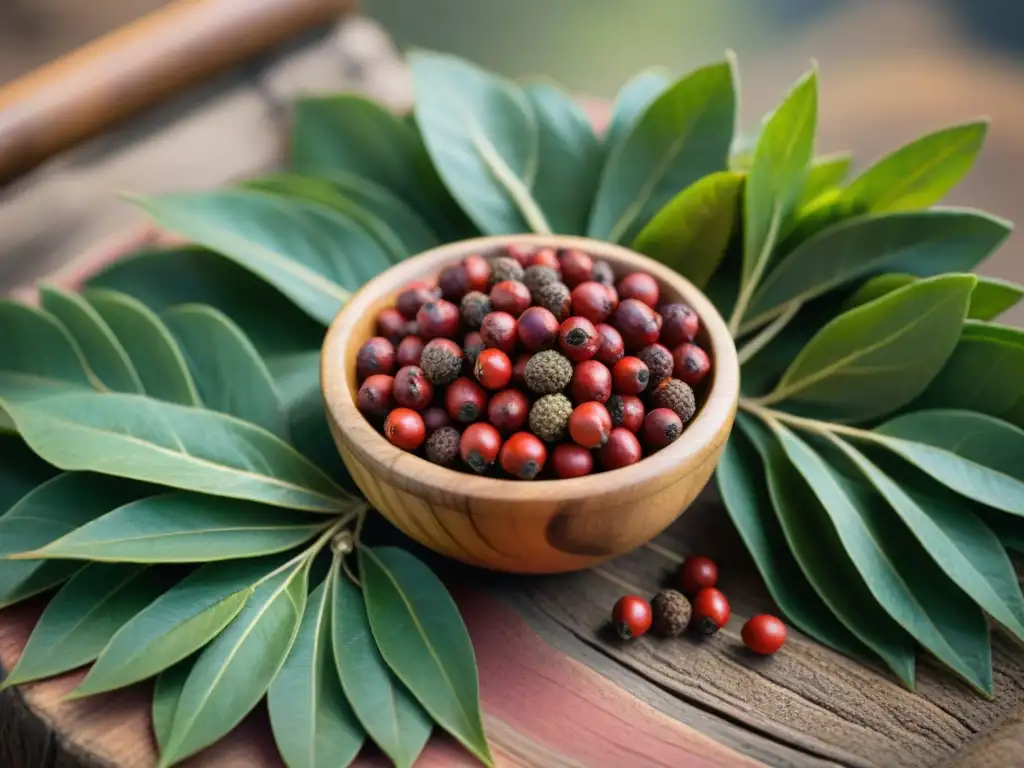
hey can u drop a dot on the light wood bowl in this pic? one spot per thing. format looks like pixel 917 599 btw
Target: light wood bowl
pixel 544 526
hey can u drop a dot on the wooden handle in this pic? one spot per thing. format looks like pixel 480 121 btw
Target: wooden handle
pixel 88 90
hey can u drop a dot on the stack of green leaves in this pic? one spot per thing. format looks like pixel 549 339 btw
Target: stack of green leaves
pixel 170 476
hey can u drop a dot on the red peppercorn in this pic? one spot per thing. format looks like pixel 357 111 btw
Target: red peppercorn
pixel 658 360
pixel 590 424
pixel 508 410
pixel 630 376
pixel 661 427
pixel 404 428
pixel 391 325
pixel 621 450
pixel 593 301
pixel 520 253
pixel 377 355
pixel 576 266
pixel 631 616
pixel 764 634
pixel 537 328
pixel 612 348
pixel 697 573
pixel 465 400
pixel 409 351
pixel 414 296
pixel 710 611
pixel 435 418
pixel 453 282
pixel 478 273
pixel 493 369
pixel 627 411
pixel 510 296
pixel 691 363
pixel 591 380
pixel 412 388
pixel 479 446
pixel 578 339
pixel 519 368
pixel 498 330
pixel 523 455
pixel 571 460
pixel 543 257
pixel 637 324
pixel 438 318
pixel 640 286
pixel 376 395
pixel 472 346
pixel 680 324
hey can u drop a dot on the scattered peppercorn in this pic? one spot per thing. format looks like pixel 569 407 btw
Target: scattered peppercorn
pixel 441 361
pixel 549 417
pixel 710 611
pixel 548 372
pixel 671 613
pixel 697 573
pixel 631 617
pixel 473 308
pixel 764 634
pixel 677 396
pixel 443 446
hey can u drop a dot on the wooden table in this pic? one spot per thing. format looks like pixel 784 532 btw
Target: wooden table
pixel 557 689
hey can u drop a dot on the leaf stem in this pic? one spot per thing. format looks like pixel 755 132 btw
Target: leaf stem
pixel 815 426
pixel 311 552
pixel 765 337
pixel 750 285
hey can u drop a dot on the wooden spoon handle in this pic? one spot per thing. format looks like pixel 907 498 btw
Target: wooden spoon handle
pixel 88 90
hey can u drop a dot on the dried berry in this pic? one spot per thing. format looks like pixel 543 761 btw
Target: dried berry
pixel 493 369
pixel 465 400
pixel 631 616
pixel 591 380
pixel 404 429
pixel 473 308
pixel 672 613
pixel 764 634
pixel 410 349
pixel 537 277
pixel 593 301
pixel 377 355
pixel 434 418
pixel 521 253
pixel 590 424
pixel 578 339
pixel 603 273
pixel 679 324
pixel 414 296
pixel 630 376
pixel 510 296
pixel 637 324
pixel 549 417
pixel 505 268
pixel 710 611
pixel 519 369
pixel 621 450
pixel 626 411
pixel 479 446
pixel 543 257
pixel 639 286
pixel 392 325
pixel 676 395
pixel 472 345
pixel 576 266
pixel 376 395
pixel 441 361
pixel 661 427
pixel 453 282
pixel 412 388
pixel 555 298
pixel 658 360
pixel 537 328
pixel 508 410
pixel 571 460
pixel 697 573
pixel 478 272
pixel 691 364
pixel 523 456
pixel 612 349
pixel 498 330
pixel 443 446
pixel 548 372
pixel 438 318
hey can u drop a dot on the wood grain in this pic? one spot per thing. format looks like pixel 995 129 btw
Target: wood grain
pixel 541 526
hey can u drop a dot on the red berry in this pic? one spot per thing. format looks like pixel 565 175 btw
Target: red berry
pixel 576 266
pixel 392 325
pixel 640 286
pixel 570 460
pixel 661 427
pixel 409 351
pixel 435 418
pixel 593 301
pixel 621 450
pixel 376 395
pixel 630 376
pixel 438 318
pixel 465 400
pixel 493 369
pixel 508 410
pixel 543 257
pixel 680 324
pixel 412 388
pixel 454 282
pixel 658 360
pixel 498 330
pixel 377 355
pixel 524 455
pixel 710 611
pixel 627 411
pixel 697 573
pixel 691 364
pixel 591 380
pixel 478 273
pixel 404 429
pixel 414 296
pixel 590 424
pixel 519 368
pixel 537 328
pixel 637 324
pixel 764 634
pixel 631 616
pixel 479 446
pixel 510 296
pixel 611 349
pixel 578 339
pixel 520 253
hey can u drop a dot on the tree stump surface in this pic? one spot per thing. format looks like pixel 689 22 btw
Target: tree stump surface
pixel 557 689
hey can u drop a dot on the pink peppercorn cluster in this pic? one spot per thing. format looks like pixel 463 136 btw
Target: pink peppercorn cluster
pixel 532 363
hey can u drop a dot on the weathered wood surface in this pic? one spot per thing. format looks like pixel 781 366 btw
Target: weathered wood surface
pixel 557 689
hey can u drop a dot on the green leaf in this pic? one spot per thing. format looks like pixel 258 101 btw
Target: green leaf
pixel 166 694
pixel 154 353
pixel 992 297
pixel 178 623
pixel 877 287
pixel 104 354
pixel 691 234
pixel 632 101
pixel 389 713
pixel 82 618
pixel 742 485
pixel 37 354
pixel 481 134
pixel 878 357
pixel 422 638
pixel 230 375
pixel 923 243
pixel 569 156
pixel 194 450
pixel 975 455
pixel 682 136
pixel 184 528
pixel 816 546
pixel 825 173
pixel 162 279
pixel 313 724
pixel 21 471
pixel 234 672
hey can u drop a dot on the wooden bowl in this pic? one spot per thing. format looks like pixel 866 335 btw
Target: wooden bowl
pixel 543 526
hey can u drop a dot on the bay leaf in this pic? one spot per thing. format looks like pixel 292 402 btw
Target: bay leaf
pixel 166 693
pixel 422 637
pixel 682 136
pixel 233 672
pixel 37 354
pixel 385 708
pixel 313 724
pixel 21 471
pixel 879 286
pixel 990 298
pixel 692 232
pixel 228 371
pixel 825 173
pixel 761 372
pixel 149 440
pixel 154 353
pixel 632 101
